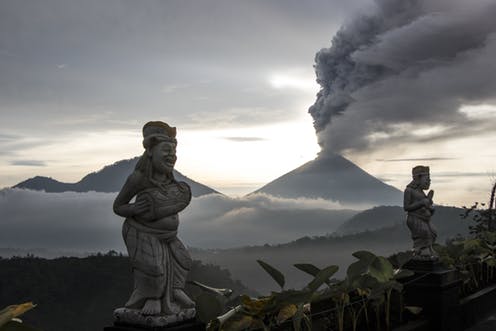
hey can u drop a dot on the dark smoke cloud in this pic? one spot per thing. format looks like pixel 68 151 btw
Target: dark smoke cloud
pixel 407 65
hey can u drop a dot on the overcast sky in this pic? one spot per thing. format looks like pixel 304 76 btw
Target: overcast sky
pixel 78 79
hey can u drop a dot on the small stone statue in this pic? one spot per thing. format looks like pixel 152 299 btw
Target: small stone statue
pixel 420 209
pixel 159 260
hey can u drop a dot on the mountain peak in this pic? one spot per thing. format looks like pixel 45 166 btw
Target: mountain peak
pixel 336 178
pixel 110 178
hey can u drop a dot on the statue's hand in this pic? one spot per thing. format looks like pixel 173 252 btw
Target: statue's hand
pixel 427 202
pixel 140 207
pixel 144 209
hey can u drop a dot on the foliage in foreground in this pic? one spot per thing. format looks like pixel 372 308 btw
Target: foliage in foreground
pixel 474 257
pixel 9 320
pixel 368 287
pixel 67 288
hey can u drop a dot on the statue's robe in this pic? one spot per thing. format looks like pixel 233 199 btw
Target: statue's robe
pixel 159 259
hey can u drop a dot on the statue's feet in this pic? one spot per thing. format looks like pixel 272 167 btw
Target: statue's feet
pixel 183 299
pixel 416 252
pixel 425 254
pixel 433 252
pixel 170 308
pixel 151 307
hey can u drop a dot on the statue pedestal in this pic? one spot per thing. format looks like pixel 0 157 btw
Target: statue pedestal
pixel 192 325
pixel 436 289
pixel 126 319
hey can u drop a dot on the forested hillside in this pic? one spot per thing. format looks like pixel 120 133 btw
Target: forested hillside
pixel 80 294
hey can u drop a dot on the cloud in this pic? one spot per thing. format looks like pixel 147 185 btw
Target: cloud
pixel 85 222
pixel 237 116
pixel 8 143
pixel 409 65
pixel 6 53
pixel 28 163
pixel 220 221
pixel 419 159
pixel 170 88
pixel 244 139
pixel 8 137
pixel 12 144
pixel 169 48
pixel 82 222
pixel 464 174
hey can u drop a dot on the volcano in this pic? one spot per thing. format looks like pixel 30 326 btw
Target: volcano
pixel 333 177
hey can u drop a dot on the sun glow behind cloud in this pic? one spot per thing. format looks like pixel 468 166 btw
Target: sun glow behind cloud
pixel 234 161
pixel 256 156
pixel 481 111
pixel 293 80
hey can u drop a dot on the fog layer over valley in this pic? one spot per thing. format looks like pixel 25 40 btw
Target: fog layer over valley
pixel 381 230
pixel 217 227
pixel 85 222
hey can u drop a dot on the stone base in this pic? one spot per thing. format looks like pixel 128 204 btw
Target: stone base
pixel 436 289
pixel 134 317
pixel 419 264
pixel 191 325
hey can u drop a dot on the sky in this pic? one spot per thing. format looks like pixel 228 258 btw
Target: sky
pixel 403 83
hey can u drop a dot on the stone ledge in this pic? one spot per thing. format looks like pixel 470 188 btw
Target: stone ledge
pixel 192 325
pixel 126 316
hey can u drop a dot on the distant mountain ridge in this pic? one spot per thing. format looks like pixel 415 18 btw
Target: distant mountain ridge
pixel 333 177
pixel 110 178
pixel 368 230
pixel 446 220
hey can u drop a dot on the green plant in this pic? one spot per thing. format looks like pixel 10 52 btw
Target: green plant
pixel 369 284
pixel 9 320
pixel 484 218
pixel 267 312
pixel 474 257
pixel 212 302
pixel 338 291
pixel 378 276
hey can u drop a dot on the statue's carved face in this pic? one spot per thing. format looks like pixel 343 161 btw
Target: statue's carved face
pixel 424 181
pixel 163 157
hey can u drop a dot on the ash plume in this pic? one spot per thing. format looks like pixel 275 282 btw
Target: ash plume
pixel 406 65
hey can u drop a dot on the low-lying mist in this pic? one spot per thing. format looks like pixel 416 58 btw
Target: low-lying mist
pixel 85 222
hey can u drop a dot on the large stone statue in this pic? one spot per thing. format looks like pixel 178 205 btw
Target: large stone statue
pixel 159 260
pixel 420 209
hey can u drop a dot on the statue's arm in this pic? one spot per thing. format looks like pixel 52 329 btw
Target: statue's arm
pixel 121 206
pixel 170 209
pixel 174 206
pixel 409 205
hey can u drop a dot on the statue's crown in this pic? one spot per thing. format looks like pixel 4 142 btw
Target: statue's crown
pixel 158 128
pixel 160 131
pixel 420 170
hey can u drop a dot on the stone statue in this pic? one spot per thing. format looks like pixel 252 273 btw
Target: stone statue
pixel 420 209
pixel 159 259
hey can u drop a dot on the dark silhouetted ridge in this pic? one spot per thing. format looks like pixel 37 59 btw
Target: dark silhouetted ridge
pixel 109 179
pixel 446 219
